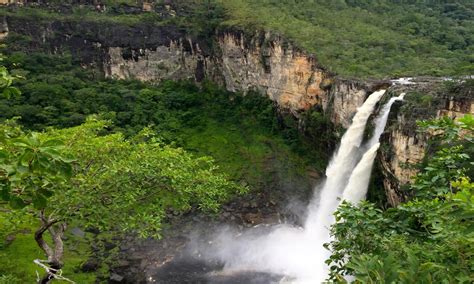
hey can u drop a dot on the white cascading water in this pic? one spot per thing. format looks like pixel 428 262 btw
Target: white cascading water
pixel 299 252
pixel 320 211
pixel 356 188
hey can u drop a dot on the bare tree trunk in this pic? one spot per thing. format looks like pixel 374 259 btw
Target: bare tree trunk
pixel 55 253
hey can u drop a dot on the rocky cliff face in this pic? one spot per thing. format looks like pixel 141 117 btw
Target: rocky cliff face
pixel 273 66
pixel 406 145
pixel 265 63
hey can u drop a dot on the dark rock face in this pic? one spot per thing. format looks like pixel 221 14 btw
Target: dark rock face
pixel 90 265
pixel 426 99
pixel 88 41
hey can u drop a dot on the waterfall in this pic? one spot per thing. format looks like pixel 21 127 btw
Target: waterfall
pixel 356 188
pixel 381 120
pixel 299 252
pixel 340 167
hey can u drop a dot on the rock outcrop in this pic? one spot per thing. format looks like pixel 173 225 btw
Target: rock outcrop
pixel 264 62
pixel 407 146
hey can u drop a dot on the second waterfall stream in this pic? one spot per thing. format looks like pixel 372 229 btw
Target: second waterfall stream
pixel 298 253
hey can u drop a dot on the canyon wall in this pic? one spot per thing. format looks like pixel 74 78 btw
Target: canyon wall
pixel 406 144
pixel 263 62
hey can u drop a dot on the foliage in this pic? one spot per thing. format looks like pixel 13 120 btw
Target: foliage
pixel 16 265
pixel 353 38
pixel 198 18
pixel 149 176
pixel 6 81
pixel 429 239
pixel 449 164
pixel 31 170
pixel 135 180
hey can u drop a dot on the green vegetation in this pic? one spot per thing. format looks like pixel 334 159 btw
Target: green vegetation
pixel 370 38
pixel 241 133
pixel 17 256
pixel 197 18
pixel 83 176
pixel 429 239
pixel 78 149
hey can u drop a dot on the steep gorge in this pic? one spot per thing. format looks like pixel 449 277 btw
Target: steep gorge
pixel 262 61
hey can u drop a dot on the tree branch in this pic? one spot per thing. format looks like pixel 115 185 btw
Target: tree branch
pixel 54 273
pixel 46 224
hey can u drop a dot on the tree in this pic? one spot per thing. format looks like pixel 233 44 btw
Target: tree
pixel 101 181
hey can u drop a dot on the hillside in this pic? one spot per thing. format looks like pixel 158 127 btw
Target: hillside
pixel 370 38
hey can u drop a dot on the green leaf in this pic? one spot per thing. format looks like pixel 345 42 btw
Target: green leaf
pixel 39 201
pixel 26 158
pixel 66 169
pixel 22 142
pixel 3 154
pixel 52 143
pixel 45 192
pixel 5 193
pixel 16 202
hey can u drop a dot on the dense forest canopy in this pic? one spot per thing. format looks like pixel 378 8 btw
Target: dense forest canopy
pixel 245 136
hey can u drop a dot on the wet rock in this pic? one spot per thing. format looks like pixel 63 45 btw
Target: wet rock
pixel 143 263
pixel 253 218
pixel 94 231
pixel 123 263
pixel 78 232
pixel 272 219
pixel 109 245
pixel 114 277
pixel 125 247
pixel 253 204
pixel 226 214
pixel 90 265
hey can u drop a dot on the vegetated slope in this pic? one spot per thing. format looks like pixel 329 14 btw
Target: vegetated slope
pixel 243 134
pixel 370 38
